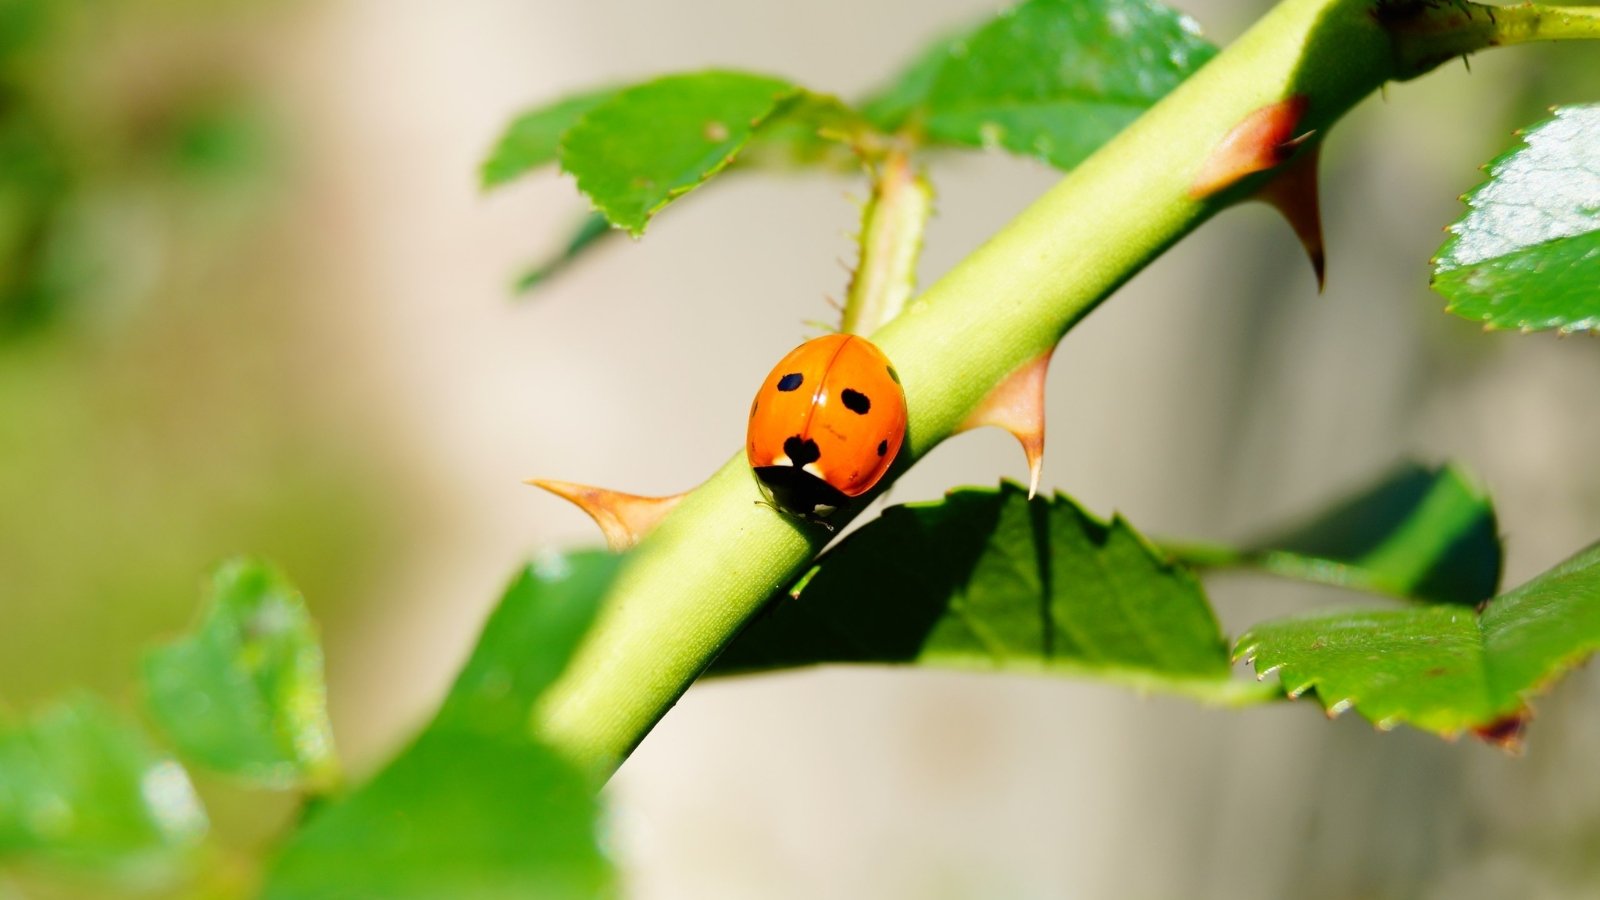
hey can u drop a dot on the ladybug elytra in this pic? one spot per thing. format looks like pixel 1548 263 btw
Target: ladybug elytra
pixel 826 425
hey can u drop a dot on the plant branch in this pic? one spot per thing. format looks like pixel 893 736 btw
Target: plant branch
pixel 713 562
pixel 892 223
pixel 1429 32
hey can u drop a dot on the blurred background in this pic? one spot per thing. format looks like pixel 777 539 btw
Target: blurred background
pixel 252 301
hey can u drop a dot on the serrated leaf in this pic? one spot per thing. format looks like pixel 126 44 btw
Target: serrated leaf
pixel 655 142
pixel 1052 79
pixel 244 694
pixel 81 788
pixel 1527 254
pixel 475 807
pixel 533 138
pixel 1444 669
pixel 988 580
pixel 1419 533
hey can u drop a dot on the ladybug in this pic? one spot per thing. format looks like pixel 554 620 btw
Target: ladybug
pixel 826 425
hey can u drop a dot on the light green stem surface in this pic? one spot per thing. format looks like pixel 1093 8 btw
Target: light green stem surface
pixel 892 223
pixel 720 554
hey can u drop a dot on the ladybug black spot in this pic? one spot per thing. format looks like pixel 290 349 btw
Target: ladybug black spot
pixel 856 402
pixel 801 452
pixel 791 381
pixel 883 447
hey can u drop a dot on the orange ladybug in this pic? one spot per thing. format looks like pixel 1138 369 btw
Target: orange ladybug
pixel 826 424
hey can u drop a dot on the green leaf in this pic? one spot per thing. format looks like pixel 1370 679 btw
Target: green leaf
pixel 988 580
pixel 533 138
pixel 81 788
pixel 655 142
pixel 1419 533
pixel 475 807
pixel 585 237
pixel 244 694
pixel 1440 668
pixel 1527 254
pixel 1052 79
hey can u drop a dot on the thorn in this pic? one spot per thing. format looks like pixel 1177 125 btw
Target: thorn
pixel 1263 140
pixel 623 518
pixel 1017 405
pixel 1293 192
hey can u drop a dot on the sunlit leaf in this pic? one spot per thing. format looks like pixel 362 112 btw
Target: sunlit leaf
pixel 1052 79
pixel 1420 533
pixel 1527 254
pixel 82 788
pixel 655 142
pixel 534 137
pixel 474 807
pixel 988 580
pixel 1445 669
pixel 244 694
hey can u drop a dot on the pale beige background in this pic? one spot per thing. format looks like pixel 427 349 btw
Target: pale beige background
pixel 1216 394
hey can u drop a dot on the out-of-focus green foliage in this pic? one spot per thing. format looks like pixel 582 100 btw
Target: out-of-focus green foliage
pixel 93 159
pixel 1527 254
pixel 1441 668
pixel 244 693
pixel 81 788
pixel 475 807
pixel 1419 533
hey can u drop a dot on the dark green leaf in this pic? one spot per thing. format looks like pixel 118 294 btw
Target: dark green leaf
pixel 244 694
pixel 475 808
pixel 1053 79
pixel 1441 668
pixel 653 143
pixel 534 137
pixel 1420 533
pixel 82 788
pixel 989 580
pixel 1527 254
pixel 584 238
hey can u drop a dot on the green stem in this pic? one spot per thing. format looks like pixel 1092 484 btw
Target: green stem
pixel 1427 32
pixel 892 223
pixel 717 558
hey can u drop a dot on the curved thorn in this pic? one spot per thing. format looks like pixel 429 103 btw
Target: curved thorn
pixel 1017 405
pixel 1293 192
pixel 623 518
pixel 1262 140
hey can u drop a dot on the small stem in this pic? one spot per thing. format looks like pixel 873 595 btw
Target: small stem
pixel 1427 32
pixel 892 223
pixel 1531 22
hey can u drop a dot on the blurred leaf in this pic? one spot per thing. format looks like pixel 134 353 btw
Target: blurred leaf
pixel 474 807
pixel 81 788
pixel 1440 668
pixel 1527 254
pixel 585 237
pixel 988 580
pixel 244 694
pixel 1053 79
pixel 655 142
pixel 534 137
pixel 1420 533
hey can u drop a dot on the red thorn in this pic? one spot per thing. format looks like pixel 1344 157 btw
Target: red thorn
pixel 1017 405
pixel 1293 192
pixel 1264 139
pixel 623 518
pixel 1506 732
